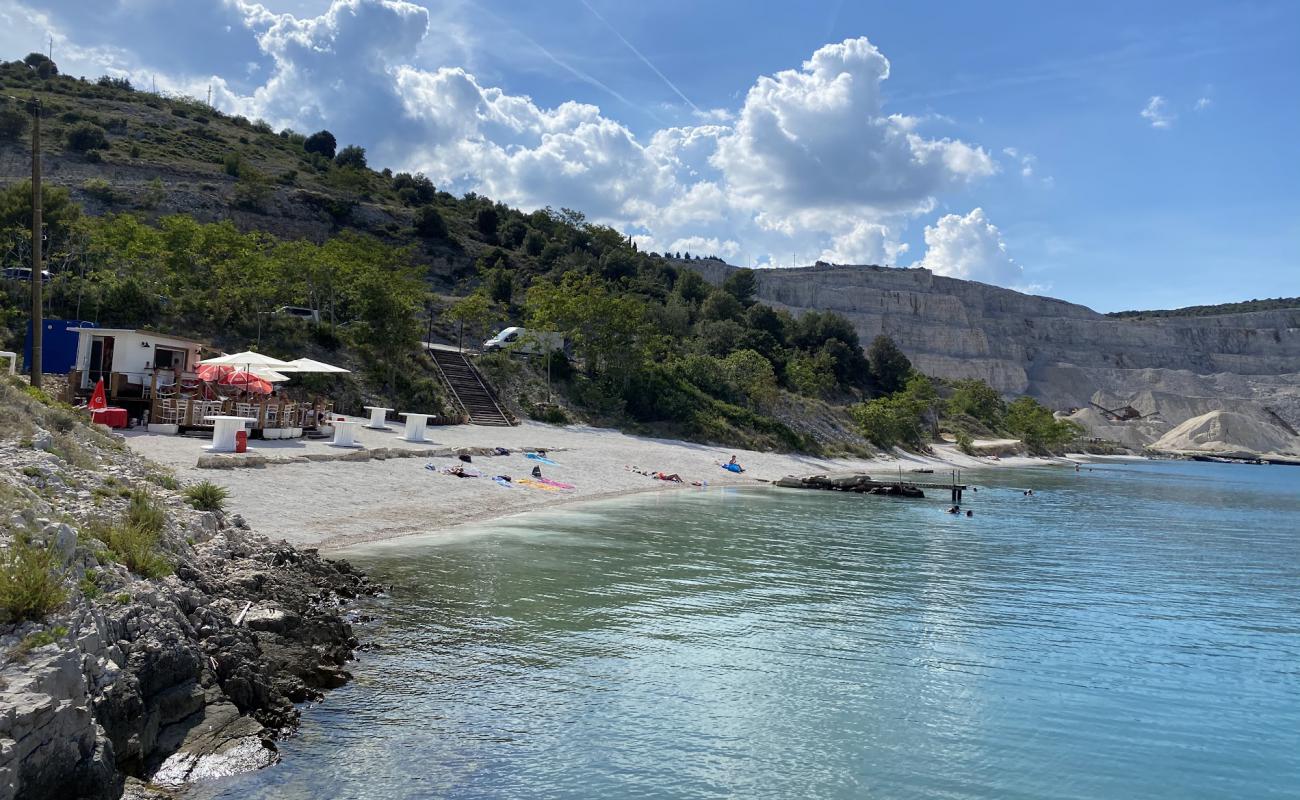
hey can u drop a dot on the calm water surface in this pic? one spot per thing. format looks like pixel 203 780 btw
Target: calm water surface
pixel 1132 631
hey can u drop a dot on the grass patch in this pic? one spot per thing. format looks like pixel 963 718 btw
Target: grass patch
pixel 207 496
pixel 31 582
pixel 164 480
pixel 133 540
pixel 35 640
pixel 89 585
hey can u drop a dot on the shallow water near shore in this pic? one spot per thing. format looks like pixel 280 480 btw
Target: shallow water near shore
pixel 1132 630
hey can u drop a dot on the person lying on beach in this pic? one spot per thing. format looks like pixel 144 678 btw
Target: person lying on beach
pixel 673 478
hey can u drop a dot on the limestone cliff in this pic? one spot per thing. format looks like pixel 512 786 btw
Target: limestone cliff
pixel 1068 356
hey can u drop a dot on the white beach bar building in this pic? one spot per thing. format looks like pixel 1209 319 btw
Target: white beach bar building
pixel 128 361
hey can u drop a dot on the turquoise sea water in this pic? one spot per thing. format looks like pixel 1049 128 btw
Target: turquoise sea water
pixel 1132 631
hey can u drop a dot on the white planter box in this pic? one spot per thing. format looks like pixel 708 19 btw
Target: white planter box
pixel 170 430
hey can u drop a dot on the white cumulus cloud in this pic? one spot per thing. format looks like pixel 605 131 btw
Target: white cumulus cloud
pixel 969 247
pixel 810 164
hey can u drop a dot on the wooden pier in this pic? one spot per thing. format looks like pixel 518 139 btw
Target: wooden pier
pixel 860 483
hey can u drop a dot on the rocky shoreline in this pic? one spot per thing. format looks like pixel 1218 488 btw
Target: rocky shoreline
pixel 142 685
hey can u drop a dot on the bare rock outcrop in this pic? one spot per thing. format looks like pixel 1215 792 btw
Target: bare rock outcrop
pixel 160 680
pixel 1061 353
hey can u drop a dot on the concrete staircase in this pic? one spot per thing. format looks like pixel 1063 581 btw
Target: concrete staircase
pixel 469 389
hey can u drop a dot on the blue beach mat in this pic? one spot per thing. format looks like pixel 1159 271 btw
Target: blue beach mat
pixel 542 459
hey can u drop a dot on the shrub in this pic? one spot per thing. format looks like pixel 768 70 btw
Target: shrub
pixel 207 496
pixel 13 123
pixel 86 136
pixel 99 189
pixel 154 194
pixel 965 443
pixel 233 164
pixel 94 156
pixel 135 151
pixel 550 414
pixel 31 582
pixel 115 83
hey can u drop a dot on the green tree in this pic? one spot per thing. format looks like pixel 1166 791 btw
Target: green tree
pixel 351 156
pixel 58 213
pixel 1038 428
pixel 430 224
pixel 720 306
pixel 486 221
pixel 322 142
pixel 752 376
pixel 975 398
pixel 811 375
pixel 742 285
pixel 41 65
pixel 692 287
pixel 607 329
pixel 500 286
pixel 889 367
pixel 474 311
pixel 534 241
pixel 13 123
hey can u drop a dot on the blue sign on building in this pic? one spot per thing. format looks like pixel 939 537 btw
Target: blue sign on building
pixel 58 345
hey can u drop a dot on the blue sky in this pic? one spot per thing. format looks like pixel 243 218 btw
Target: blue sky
pixel 1120 155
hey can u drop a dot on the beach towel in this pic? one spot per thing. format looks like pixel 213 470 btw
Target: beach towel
pixel 532 484
pixel 542 459
pixel 732 468
pixel 504 482
pixel 557 484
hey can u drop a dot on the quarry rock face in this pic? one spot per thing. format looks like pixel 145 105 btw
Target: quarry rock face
pixel 1066 355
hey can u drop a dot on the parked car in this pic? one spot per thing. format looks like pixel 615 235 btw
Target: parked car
pixel 522 340
pixel 23 274
pixel 300 312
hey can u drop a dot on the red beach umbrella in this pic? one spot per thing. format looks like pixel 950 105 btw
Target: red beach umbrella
pixel 213 372
pixel 247 381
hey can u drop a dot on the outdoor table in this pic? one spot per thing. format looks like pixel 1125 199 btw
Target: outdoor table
pixel 112 416
pixel 223 431
pixel 377 416
pixel 415 426
pixel 344 433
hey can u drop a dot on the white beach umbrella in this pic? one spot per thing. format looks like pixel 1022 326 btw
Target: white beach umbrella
pixel 310 365
pixel 269 375
pixel 248 360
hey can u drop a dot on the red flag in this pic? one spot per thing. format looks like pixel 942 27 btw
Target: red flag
pixel 98 402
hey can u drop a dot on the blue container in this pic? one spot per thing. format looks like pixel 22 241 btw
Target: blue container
pixel 58 345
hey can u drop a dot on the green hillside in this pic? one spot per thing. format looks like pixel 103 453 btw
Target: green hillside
pixel 162 212
pixel 1243 307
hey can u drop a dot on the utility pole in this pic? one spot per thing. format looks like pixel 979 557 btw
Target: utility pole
pixel 209 95
pixel 38 277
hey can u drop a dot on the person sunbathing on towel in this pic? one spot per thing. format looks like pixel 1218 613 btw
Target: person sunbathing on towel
pixel 673 478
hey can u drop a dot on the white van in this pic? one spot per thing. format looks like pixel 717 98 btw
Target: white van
pixel 521 340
